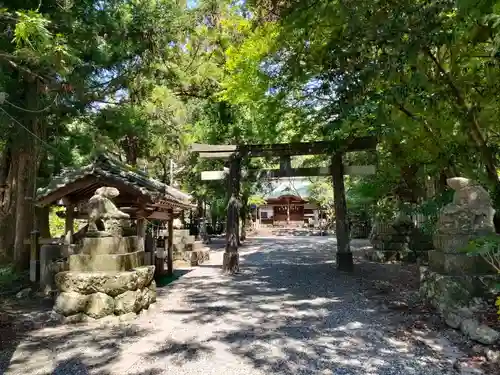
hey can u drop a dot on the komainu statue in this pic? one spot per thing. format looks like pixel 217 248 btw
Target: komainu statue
pixel 471 211
pixel 102 208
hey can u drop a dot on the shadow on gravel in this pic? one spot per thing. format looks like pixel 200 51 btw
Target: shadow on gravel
pixel 181 352
pixel 298 232
pixel 87 348
pixel 290 311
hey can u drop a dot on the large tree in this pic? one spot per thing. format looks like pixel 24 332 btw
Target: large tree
pixel 61 62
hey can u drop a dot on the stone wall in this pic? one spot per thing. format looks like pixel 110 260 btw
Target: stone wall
pixel 187 249
pixel 99 294
pixel 183 244
pixel 390 240
pixel 400 240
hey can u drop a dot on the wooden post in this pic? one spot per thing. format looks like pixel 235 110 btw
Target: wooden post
pixel 237 185
pixel 35 256
pixel 231 257
pixel 170 243
pixel 344 254
pixel 199 215
pixel 69 223
pixel 160 256
pixel 288 212
pixel 141 233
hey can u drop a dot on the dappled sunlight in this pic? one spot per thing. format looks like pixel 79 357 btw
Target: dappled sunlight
pixel 287 312
pixel 95 347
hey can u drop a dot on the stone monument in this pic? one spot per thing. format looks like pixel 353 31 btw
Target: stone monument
pixel 107 275
pixel 390 239
pixel 453 278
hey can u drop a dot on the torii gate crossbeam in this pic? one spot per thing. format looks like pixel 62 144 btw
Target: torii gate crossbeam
pixel 335 148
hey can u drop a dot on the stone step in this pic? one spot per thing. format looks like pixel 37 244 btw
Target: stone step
pixel 200 256
pixel 106 262
pixel 199 245
pixel 181 232
pixel 109 245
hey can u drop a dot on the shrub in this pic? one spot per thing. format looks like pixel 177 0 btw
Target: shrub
pixel 488 247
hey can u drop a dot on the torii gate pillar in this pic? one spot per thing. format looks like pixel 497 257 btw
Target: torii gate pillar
pixel 230 262
pixel 344 254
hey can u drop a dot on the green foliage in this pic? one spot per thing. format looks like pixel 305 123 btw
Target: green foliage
pixel 145 79
pixel 430 209
pixel 497 303
pixel 321 193
pixel 488 247
pixel 56 223
pixel 256 200
pixel 10 277
pixel 31 30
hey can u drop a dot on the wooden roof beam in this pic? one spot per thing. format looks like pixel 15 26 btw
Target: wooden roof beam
pixel 287 149
pixel 351 170
pixel 66 190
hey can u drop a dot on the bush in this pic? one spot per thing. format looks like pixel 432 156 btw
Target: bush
pixel 9 277
pixel 488 247
pixel 56 223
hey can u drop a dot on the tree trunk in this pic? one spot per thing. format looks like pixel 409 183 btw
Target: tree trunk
pixel 231 257
pixel 42 221
pixel 130 146
pixel 409 189
pixel 8 183
pixel 24 219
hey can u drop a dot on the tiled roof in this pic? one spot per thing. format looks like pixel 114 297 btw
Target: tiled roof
pixel 298 188
pixel 110 167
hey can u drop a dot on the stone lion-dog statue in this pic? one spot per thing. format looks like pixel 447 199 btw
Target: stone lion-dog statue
pixel 101 208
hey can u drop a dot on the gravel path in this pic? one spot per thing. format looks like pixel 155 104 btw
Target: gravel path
pixel 288 312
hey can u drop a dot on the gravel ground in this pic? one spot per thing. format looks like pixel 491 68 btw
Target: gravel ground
pixel 288 312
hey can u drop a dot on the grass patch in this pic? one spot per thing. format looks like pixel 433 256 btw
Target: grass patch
pixel 10 279
pixel 165 280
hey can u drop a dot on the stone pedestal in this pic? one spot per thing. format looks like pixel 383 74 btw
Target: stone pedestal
pixel 450 292
pixel 458 264
pixel 98 294
pixel 106 262
pixel 106 275
pixel 109 245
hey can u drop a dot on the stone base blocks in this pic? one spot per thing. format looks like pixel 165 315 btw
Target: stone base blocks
pixel 199 254
pixel 109 245
pixel 189 250
pixel 449 292
pixel 106 262
pixel 99 294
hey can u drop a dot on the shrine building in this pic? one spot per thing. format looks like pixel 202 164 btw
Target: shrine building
pixel 287 204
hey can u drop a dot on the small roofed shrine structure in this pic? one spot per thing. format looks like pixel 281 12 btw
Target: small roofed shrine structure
pixel 287 203
pixel 141 197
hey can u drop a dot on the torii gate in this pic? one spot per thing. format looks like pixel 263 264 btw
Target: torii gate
pixel 336 148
